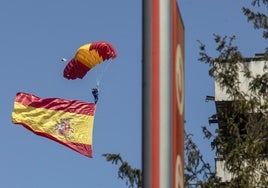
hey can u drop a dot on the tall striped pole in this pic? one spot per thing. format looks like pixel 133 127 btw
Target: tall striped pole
pixel 162 95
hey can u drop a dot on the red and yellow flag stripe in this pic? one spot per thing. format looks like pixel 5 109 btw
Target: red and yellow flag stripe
pixel 69 122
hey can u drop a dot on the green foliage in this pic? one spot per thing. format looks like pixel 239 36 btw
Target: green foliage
pixel 132 176
pixel 241 138
pixel 259 20
pixel 197 173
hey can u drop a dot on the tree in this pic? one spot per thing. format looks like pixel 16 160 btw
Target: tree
pixel 132 176
pixel 197 172
pixel 258 19
pixel 242 143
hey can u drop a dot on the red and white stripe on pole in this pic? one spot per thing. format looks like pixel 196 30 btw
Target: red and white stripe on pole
pixel 163 95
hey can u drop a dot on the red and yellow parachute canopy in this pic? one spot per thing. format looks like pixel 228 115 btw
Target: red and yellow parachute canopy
pixel 87 57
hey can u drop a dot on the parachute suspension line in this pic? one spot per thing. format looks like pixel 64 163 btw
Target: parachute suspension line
pixel 99 78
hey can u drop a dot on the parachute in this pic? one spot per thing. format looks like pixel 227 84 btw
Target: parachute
pixel 87 57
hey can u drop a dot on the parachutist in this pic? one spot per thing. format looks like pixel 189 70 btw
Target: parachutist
pixel 95 93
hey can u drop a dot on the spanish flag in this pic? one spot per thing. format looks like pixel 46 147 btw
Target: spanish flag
pixel 68 122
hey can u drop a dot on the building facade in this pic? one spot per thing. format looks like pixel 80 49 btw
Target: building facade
pixel 224 100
